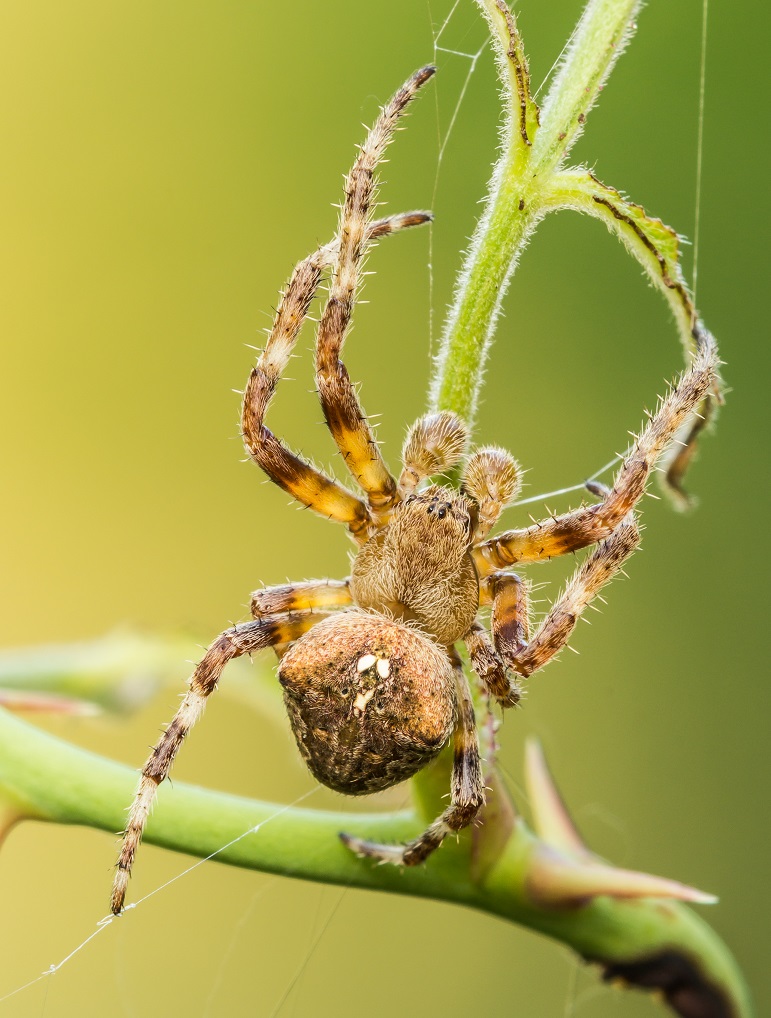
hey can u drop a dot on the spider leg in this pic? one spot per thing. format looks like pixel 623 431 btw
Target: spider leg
pixel 300 597
pixel 678 458
pixel 467 794
pixel 339 400
pixel 490 666
pixel 326 595
pixel 590 524
pixel 304 482
pixel 510 621
pixel 234 642
pixel 510 603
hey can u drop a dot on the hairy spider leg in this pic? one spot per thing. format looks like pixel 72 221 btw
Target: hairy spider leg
pixel 234 642
pixel 327 595
pixel 298 597
pixel 434 443
pixel 467 794
pixel 304 482
pixel 510 619
pixel 590 524
pixel 678 458
pixel 490 667
pixel 339 400
pixel 510 604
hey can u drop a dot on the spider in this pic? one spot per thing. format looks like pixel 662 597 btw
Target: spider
pixel 373 682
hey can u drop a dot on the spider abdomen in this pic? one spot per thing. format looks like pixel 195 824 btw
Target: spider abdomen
pixel 371 701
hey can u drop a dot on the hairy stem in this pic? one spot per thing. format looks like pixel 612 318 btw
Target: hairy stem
pixel 597 42
pixel 516 200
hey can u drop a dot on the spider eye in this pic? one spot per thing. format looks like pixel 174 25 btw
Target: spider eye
pixel 441 513
pixel 410 498
pixel 430 509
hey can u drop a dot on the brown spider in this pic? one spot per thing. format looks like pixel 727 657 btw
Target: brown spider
pixel 372 681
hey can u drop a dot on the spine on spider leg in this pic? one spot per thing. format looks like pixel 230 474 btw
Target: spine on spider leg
pixel 354 227
pixel 299 479
pixel 582 527
pixel 675 411
pixel 308 485
pixel 555 630
pixel 689 395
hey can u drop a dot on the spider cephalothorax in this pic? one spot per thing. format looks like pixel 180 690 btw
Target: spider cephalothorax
pixel 419 567
pixel 373 682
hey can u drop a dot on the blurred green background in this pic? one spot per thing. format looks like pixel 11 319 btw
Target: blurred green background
pixel 163 167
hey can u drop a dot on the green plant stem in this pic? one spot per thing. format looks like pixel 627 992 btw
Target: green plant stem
pixel 596 44
pixel 517 198
pixel 119 673
pixel 45 778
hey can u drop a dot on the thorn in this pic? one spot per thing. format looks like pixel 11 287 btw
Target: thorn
pixel 556 879
pixel 551 818
pixel 16 700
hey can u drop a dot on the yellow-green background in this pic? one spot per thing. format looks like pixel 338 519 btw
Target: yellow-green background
pixel 163 165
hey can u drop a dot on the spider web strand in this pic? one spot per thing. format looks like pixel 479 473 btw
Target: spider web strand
pixel 108 920
pixel 573 487
pixel 442 143
pixel 301 968
pixel 699 149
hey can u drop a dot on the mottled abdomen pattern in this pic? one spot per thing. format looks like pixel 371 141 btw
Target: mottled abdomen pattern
pixel 371 701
